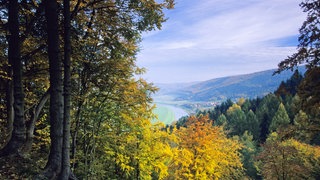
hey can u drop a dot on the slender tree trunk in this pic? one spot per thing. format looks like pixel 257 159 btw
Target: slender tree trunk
pixel 53 167
pixel 65 173
pixel 34 116
pixel 18 135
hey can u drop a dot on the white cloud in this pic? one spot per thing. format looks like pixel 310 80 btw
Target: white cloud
pixel 204 34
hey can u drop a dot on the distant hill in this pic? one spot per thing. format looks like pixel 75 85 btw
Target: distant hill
pixel 233 87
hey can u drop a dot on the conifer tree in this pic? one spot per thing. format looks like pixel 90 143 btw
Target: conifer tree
pixel 280 119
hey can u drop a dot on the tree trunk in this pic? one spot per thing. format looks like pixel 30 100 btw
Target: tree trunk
pixel 9 104
pixel 18 135
pixel 65 173
pixel 34 116
pixel 53 167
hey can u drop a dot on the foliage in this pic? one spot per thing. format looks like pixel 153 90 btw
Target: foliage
pixel 249 152
pixel 290 86
pixel 113 136
pixel 309 91
pixel 255 119
pixel 309 40
pixel 280 119
pixel 289 159
pixel 204 152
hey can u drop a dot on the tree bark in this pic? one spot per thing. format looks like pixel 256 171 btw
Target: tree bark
pixel 18 135
pixel 9 104
pixel 53 167
pixel 65 173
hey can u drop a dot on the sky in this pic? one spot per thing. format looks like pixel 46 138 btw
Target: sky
pixel 206 39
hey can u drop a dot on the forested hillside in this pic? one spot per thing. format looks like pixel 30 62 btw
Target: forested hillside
pixel 251 85
pixel 72 107
pixel 276 131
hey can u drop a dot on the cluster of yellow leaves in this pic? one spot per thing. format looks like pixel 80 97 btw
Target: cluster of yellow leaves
pixel 204 152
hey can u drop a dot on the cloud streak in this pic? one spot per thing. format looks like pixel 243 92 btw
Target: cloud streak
pixel 213 38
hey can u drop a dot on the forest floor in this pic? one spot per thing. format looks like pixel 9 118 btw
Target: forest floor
pixel 17 167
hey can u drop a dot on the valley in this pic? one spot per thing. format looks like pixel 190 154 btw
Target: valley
pixel 176 100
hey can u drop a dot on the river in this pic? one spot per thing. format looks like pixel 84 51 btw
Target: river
pixel 169 113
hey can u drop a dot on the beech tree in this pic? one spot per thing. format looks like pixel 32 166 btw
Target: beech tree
pixel 53 167
pixel 18 135
pixel 204 152
pixel 104 35
pixel 289 159
pixel 65 165
pixel 33 68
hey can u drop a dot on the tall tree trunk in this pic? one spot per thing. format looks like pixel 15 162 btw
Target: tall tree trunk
pixel 65 173
pixel 53 167
pixel 18 135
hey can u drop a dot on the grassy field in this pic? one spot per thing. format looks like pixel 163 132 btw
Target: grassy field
pixel 165 114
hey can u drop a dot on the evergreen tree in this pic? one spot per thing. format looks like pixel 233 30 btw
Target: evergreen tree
pixel 252 124
pixel 265 112
pixel 221 121
pixel 280 119
pixel 249 152
pixel 236 120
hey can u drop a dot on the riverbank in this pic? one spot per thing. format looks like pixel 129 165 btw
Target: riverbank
pixel 169 113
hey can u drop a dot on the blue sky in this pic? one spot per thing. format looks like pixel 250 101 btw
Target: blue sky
pixel 205 39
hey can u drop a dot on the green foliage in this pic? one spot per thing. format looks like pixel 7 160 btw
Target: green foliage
pixel 280 119
pixel 236 119
pixel 252 124
pixel 249 153
pixel 290 86
pixel 309 92
pixel 254 119
pixel 112 133
pixel 288 159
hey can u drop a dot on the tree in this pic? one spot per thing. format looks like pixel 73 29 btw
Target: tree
pixel 309 92
pixel 303 128
pixel 105 37
pixel 249 152
pixel 53 167
pixel 309 54
pixel 18 136
pixel 309 40
pixel 288 159
pixel 65 165
pixel 221 120
pixel 280 119
pixel 290 87
pixel 204 152
pixel 236 119
pixel 33 67
pixel 252 125
pixel 265 112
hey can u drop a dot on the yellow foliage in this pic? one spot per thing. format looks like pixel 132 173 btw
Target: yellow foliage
pixel 233 108
pixel 204 152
